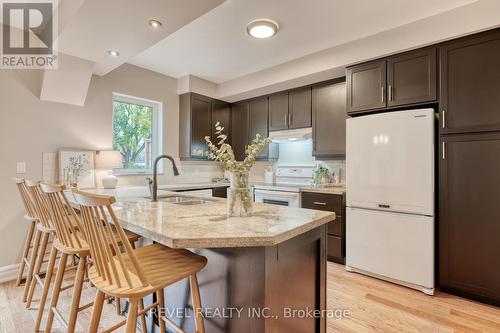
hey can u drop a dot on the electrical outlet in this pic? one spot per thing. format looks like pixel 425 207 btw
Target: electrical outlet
pixel 21 168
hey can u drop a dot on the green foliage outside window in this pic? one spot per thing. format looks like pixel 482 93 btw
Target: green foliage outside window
pixel 132 134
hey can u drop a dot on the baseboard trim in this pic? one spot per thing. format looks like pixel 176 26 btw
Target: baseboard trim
pixel 9 273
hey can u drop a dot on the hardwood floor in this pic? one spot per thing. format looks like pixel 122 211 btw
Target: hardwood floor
pixel 371 305
pixel 379 306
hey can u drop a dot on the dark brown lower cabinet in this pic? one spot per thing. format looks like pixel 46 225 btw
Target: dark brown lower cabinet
pixel 336 229
pixel 219 192
pixel 469 216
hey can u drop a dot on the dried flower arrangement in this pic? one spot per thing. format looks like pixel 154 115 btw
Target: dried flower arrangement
pixel 239 194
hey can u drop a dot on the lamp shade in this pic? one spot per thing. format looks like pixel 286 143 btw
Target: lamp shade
pixel 108 159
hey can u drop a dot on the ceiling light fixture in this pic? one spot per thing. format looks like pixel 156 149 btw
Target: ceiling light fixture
pixel 262 28
pixel 113 53
pixel 155 24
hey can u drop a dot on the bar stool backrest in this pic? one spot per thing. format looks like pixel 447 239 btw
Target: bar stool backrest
pixel 40 204
pixel 97 216
pixel 29 205
pixel 64 218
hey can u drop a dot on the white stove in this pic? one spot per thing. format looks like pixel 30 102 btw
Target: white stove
pixel 285 191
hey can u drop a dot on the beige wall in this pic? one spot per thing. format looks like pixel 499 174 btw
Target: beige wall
pixel 29 127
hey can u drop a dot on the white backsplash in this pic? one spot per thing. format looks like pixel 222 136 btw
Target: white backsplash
pixel 293 152
pixel 300 153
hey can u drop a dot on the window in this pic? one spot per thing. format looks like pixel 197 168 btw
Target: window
pixel 136 132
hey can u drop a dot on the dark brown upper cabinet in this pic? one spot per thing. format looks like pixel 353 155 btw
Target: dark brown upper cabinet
pixel 195 123
pixel 221 112
pixel 290 109
pixel 329 119
pixel 299 111
pixel 366 86
pixel 197 117
pixel 469 86
pixel 469 217
pixel 240 126
pixel 278 111
pixel 412 77
pixel 258 109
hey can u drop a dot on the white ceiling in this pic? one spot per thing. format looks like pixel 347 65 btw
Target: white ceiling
pixel 89 28
pixel 216 47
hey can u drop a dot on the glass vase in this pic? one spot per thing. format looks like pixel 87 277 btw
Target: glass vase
pixel 239 195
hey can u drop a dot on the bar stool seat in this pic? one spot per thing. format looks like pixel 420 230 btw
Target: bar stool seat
pixel 162 265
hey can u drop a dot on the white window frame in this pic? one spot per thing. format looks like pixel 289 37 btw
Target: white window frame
pixel 156 124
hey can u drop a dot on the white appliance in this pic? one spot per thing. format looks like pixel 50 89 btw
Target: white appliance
pixel 390 197
pixel 286 190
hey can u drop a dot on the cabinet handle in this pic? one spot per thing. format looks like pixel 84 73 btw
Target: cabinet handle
pixel 319 203
pixel 290 119
pixel 444 150
pixel 286 120
pixel 383 94
pixel 390 92
pixel 444 119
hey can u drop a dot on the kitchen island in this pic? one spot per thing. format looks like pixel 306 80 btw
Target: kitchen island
pixel 265 273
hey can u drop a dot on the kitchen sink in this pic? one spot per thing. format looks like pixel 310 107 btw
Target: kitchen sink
pixel 194 202
pixel 184 200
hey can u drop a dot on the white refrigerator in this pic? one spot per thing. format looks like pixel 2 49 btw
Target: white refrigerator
pixel 390 197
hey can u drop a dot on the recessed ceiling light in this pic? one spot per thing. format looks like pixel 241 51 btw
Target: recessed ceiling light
pixel 262 28
pixel 113 53
pixel 155 24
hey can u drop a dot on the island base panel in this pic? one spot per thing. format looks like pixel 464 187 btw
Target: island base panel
pixel 242 289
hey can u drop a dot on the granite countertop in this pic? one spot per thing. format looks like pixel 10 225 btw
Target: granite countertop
pixel 325 189
pixel 207 225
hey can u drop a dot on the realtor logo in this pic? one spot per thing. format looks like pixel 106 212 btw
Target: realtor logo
pixel 29 34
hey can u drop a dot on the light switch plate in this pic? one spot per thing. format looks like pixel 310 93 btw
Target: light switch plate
pixel 21 168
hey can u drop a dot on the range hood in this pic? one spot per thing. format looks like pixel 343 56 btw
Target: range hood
pixel 291 135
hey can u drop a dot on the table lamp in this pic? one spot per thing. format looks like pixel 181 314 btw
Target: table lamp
pixel 109 160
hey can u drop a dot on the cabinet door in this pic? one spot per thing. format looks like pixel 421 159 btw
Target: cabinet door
pixel 329 119
pixel 300 108
pixel 240 123
pixel 201 120
pixel 221 112
pixel 411 78
pixel 469 222
pixel 366 85
pixel 278 111
pixel 470 84
pixel 258 114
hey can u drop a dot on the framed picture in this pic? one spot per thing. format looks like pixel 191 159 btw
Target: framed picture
pixel 77 167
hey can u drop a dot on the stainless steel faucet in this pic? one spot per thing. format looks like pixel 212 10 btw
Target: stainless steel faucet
pixel 154 194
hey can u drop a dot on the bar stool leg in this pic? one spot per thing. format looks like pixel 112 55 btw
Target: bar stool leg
pixel 196 300
pixel 46 287
pixel 34 254
pixel 161 306
pixel 144 327
pixel 77 293
pixel 132 316
pixel 38 267
pixel 26 250
pixel 96 312
pixel 56 291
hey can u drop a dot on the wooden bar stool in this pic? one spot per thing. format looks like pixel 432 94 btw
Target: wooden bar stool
pixel 135 273
pixel 70 241
pixel 44 230
pixel 30 242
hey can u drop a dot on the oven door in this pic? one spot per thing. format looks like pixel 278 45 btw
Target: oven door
pixel 282 198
